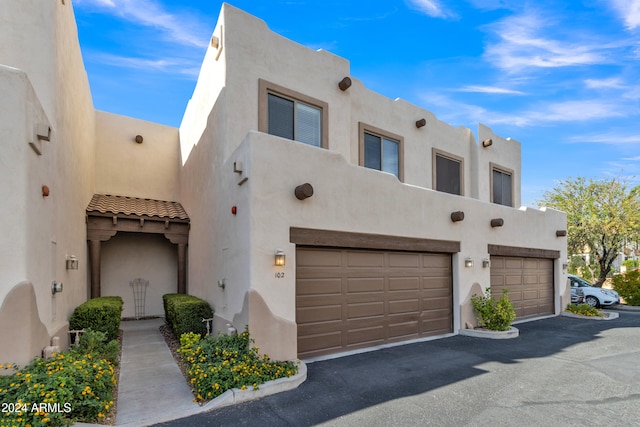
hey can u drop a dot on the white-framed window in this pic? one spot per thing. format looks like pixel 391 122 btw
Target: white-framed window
pixel 288 114
pixel 501 186
pixel 448 173
pixel 381 150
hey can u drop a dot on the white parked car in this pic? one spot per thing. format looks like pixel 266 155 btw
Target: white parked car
pixel 594 296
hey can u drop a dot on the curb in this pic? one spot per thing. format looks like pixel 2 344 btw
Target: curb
pixel 627 308
pixel 611 315
pixel 513 332
pixel 228 398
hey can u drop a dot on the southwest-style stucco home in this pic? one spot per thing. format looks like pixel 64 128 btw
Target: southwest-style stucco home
pixel 389 220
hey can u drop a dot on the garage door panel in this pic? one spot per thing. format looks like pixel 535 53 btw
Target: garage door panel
pixel 375 308
pixel 330 341
pixel 404 306
pixel 383 297
pixel 365 284
pixel 404 261
pixel 321 313
pixel 530 287
pixel 318 258
pixel 356 259
pixel 319 286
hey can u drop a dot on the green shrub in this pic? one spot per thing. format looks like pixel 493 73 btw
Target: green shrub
pixel 95 343
pixel 218 364
pixel 495 315
pixel 628 286
pixel 184 313
pixel 98 314
pixel 631 264
pixel 584 310
pixel 58 391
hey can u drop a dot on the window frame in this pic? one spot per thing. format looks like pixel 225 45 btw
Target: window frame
pixel 435 152
pixel 266 87
pixel 365 128
pixel 506 171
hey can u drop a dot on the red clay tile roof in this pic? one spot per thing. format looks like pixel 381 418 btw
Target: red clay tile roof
pixel 121 205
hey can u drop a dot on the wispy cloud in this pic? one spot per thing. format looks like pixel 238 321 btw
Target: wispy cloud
pixel 490 89
pixel 175 66
pixel 629 11
pixel 433 8
pixel 179 28
pixel 523 42
pixel 611 83
pixel 611 138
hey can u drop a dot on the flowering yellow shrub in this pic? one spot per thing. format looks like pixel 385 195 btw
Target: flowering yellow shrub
pixel 58 391
pixel 225 362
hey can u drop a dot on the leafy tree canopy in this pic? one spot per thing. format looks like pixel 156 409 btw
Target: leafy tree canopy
pixel 602 217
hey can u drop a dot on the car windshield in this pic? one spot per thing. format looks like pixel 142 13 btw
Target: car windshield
pixel 581 282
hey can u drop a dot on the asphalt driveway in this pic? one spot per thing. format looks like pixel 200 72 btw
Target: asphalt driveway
pixel 559 372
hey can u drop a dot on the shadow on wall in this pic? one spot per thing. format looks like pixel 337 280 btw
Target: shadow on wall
pixel 22 334
pixel 468 318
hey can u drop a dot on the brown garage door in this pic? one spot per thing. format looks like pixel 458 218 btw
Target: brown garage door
pixel 529 282
pixel 348 299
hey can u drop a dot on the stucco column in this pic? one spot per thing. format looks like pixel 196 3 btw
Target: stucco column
pixel 182 268
pixel 94 262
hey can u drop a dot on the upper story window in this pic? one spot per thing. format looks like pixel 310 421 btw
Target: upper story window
pixel 381 150
pixel 288 114
pixel 447 173
pixel 501 186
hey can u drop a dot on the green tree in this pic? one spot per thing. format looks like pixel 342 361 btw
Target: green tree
pixel 602 215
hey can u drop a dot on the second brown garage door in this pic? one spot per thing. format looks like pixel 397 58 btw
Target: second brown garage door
pixel 529 282
pixel 348 299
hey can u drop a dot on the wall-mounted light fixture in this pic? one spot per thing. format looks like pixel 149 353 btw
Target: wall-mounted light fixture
pixel 72 262
pixel 56 287
pixel 468 263
pixel 279 258
pixel 421 123
pixel 487 143
pixel 486 263
pixel 565 266
pixel 345 84
pixel 139 139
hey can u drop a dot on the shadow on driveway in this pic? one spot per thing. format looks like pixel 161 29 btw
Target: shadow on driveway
pixel 343 386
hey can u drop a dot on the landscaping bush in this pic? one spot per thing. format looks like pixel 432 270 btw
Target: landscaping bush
pixel 584 310
pixel 184 313
pixel 218 364
pixel 58 391
pixel 95 343
pixel 495 315
pixel 628 286
pixel 98 314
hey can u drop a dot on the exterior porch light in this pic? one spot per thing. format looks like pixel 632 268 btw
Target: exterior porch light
pixel 468 263
pixel 486 263
pixel 279 258
pixel 72 262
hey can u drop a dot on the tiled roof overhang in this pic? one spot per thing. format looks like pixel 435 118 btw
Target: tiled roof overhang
pixel 122 206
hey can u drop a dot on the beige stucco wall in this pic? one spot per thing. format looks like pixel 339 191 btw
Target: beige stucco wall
pixel 239 248
pixel 147 170
pixel 128 256
pixel 47 88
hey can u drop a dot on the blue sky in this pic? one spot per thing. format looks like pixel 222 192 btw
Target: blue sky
pixel 560 76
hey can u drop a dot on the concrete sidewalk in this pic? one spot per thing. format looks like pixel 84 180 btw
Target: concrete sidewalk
pixel 152 389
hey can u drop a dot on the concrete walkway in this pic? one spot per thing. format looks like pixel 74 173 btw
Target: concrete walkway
pixel 151 387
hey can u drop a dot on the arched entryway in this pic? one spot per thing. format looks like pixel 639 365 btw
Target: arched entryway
pixel 107 215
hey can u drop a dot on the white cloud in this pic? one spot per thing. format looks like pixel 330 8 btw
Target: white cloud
pixel 173 66
pixel 490 89
pixel 432 8
pixel 179 28
pixel 525 41
pixel 612 83
pixel 629 11
pixel 611 138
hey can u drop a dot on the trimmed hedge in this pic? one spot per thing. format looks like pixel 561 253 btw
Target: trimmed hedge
pixel 98 314
pixel 628 286
pixel 184 313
